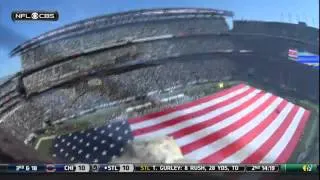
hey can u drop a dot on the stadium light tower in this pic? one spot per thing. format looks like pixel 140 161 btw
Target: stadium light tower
pixel 298 18
pixel 313 22
pixel 289 17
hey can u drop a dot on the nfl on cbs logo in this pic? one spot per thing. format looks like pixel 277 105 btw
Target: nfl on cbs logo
pixel 35 16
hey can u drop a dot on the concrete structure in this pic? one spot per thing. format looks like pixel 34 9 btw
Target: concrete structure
pixel 300 32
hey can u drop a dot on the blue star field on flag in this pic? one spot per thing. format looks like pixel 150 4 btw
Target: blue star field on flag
pixel 94 145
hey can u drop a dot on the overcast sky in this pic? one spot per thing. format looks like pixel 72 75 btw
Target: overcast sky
pixel 12 34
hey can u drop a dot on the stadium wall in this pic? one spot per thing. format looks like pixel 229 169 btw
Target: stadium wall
pixel 63 83
pixel 286 77
pixel 300 32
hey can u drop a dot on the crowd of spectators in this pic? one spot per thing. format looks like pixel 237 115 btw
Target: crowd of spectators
pixel 66 101
pixel 151 50
pixel 63 48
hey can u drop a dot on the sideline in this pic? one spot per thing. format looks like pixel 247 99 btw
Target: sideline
pixel 43 139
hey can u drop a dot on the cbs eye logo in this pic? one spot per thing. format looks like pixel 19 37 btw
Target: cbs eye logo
pixel 35 15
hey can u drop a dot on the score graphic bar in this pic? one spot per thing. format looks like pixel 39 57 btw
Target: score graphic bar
pixel 262 168
pixel 299 168
pixel 158 168
pixel 189 168
pixel 34 16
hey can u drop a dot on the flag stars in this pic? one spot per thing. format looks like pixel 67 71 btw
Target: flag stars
pixel 104 153
pixel 87 156
pixel 58 137
pixel 80 151
pixel 94 144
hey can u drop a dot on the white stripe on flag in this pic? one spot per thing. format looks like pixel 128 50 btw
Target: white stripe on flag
pixel 251 147
pixel 233 136
pixel 284 140
pixel 167 117
pixel 222 124
pixel 199 119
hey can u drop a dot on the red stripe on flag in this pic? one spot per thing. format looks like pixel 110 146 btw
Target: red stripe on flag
pixel 212 121
pixel 286 153
pixel 225 131
pixel 189 116
pixel 257 156
pixel 187 105
pixel 244 140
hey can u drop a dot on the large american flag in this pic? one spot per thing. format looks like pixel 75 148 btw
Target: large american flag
pixel 241 124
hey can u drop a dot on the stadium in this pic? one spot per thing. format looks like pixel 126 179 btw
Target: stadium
pixel 92 74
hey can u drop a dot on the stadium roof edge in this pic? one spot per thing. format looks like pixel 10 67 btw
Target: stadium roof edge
pixel 76 25
pixel 276 22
